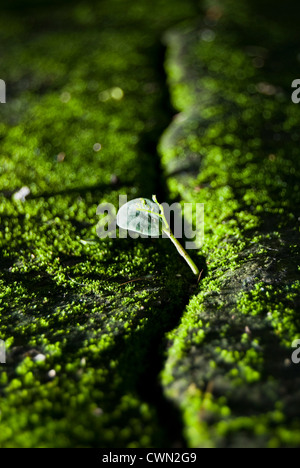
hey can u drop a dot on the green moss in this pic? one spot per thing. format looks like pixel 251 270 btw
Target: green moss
pixel 83 319
pixel 79 315
pixel 232 147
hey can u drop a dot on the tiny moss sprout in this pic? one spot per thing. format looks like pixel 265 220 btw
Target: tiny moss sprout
pixel 148 218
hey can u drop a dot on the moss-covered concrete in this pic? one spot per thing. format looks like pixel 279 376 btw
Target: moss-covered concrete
pixel 234 146
pixel 83 318
pixel 110 343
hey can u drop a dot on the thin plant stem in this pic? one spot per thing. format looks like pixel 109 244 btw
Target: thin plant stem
pixel 166 229
pixel 182 252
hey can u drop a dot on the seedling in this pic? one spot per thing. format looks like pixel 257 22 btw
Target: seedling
pixel 147 217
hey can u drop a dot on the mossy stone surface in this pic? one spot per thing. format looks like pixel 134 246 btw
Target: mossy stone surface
pixel 234 147
pixel 110 343
pixel 83 318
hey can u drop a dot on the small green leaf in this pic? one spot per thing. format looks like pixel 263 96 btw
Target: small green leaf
pixel 146 217
pixel 140 215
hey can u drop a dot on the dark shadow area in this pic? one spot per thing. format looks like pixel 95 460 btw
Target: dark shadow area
pixel 148 145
